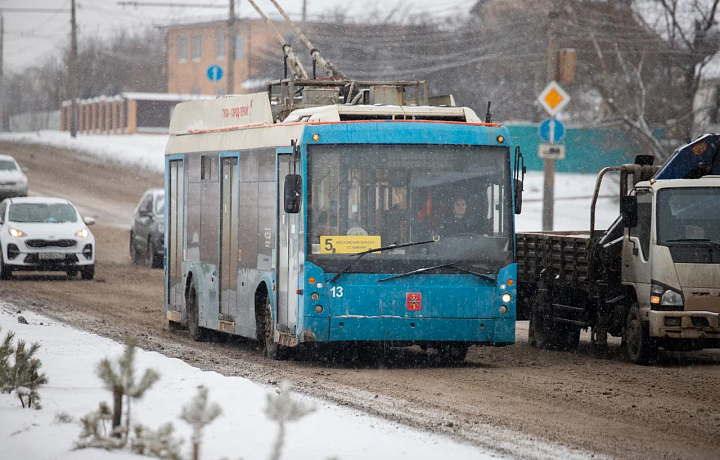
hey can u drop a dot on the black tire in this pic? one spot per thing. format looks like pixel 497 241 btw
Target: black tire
pixel 273 350
pixel 134 256
pixel 197 333
pixel 87 272
pixel 153 260
pixel 546 334
pixel 175 326
pixel 5 272
pixel 71 273
pixel 638 346
pixel 453 353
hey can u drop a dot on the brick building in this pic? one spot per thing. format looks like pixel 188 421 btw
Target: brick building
pixel 194 48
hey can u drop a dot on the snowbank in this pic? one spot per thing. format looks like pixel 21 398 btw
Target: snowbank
pixel 69 358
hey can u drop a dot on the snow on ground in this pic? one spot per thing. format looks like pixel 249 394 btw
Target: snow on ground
pixel 573 192
pixel 69 358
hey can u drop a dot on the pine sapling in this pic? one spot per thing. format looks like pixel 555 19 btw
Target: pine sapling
pixel 6 351
pixel 24 375
pixel 198 414
pixel 120 380
pixel 159 444
pixel 282 408
pixel 94 430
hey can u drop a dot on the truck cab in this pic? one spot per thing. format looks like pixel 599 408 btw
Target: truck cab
pixel 671 260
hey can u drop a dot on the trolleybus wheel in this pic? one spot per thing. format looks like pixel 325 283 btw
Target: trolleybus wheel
pixel 453 353
pixel 197 333
pixel 639 347
pixel 273 350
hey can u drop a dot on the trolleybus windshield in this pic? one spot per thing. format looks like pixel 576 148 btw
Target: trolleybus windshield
pixel 362 197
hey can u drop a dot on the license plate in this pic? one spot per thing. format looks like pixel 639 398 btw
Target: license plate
pixel 51 256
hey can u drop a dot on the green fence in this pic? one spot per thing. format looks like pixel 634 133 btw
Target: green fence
pixel 588 150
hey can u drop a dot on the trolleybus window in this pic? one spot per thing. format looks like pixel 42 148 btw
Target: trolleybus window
pixel 366 196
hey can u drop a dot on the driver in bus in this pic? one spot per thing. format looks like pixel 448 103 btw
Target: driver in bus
pixel 457 221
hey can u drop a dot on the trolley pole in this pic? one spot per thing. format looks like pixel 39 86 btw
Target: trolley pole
pixel 73 73
pixel 231 50
pixel 548 212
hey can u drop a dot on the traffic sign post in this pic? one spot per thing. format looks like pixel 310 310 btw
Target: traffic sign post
pixel 553 99
pixel 214 72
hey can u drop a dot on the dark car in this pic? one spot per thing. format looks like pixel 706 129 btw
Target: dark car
pixel 147 233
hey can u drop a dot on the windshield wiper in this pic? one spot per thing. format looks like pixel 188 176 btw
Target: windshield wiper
pixel 694 240
pixel 386 248
pixel 434 267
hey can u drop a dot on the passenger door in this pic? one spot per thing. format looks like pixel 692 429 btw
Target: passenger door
pixel 287 248
pixel 228 235
pixel 174 210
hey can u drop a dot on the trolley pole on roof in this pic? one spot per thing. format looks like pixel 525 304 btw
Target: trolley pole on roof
pixel 231 50
pixel 293 63
pixel 328 67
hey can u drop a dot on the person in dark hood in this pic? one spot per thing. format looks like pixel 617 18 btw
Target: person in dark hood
pixel 457 221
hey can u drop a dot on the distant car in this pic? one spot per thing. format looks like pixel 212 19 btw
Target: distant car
pixel 13 181
pixel 45 234
pixel 147 232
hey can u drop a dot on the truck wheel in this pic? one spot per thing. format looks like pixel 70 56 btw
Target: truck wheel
pixel 570 338
pixel 273 350
pixel 639 347
pixel 197 333
pixel 540 334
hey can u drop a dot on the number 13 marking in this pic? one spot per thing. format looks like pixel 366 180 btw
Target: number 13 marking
pixel 337 291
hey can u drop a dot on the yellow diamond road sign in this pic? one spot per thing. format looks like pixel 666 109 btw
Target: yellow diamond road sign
pixel 553 98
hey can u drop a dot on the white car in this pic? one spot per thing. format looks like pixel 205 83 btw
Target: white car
pixel 13 181
pixel 45 234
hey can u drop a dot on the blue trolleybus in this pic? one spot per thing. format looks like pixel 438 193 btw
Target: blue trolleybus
pixel 346 223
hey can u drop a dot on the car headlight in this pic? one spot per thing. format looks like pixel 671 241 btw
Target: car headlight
pixel 16 233
pixel 24 180
pixel 161 228
pixel 659 295
pixel 83 233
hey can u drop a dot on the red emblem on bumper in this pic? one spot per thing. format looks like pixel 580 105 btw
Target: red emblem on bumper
pixel 413 301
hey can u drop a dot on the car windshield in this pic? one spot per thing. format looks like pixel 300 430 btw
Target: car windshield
pixel 7 165
pixel 160 204
pixel 42 212
pixel 368 196
pixel 687 215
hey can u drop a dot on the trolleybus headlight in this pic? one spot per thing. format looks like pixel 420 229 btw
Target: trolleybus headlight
pixel 314 296
pixel 318 308
pixel 506 297
pixel 500 139
pixel 503 287
pixel 503 309
pixel 316 137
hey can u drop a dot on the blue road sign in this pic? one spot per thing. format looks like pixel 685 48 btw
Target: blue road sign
pixel 551 130
pixel 214 72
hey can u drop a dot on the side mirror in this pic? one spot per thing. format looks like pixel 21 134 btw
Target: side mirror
pixel 293 193
pixel 518 196
pixel 89 221
pixel 629 211
pixel 25 169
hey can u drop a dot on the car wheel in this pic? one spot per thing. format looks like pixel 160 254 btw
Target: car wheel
pixel 72 273
pixel 5 272
pixel 153 260
pixel 88 272
pixel 134 256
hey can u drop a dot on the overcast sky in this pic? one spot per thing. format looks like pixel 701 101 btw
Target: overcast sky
pixel 31 37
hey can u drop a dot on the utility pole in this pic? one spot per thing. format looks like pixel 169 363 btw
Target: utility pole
pixel 231 50
pixel 5 119
pixel 73 73
pixel 304 14
pixel 548 212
